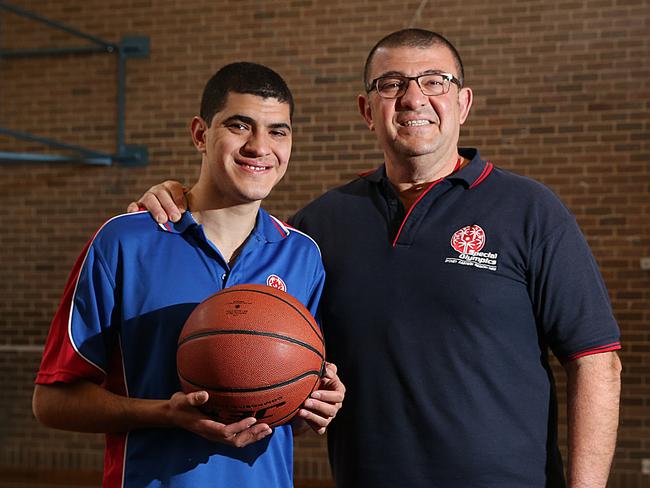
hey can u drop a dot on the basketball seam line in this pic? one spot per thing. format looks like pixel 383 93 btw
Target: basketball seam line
pixel 293 412
pixel 251 332
pixel 251 390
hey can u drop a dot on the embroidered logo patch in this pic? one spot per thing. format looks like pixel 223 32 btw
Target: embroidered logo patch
pixel 275 281
pixel 469 242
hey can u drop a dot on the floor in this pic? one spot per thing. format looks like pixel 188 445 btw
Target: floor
pixel 49 479
pixel 38 479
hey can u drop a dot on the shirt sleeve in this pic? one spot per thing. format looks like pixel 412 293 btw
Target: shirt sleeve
pixel 78 343
pixel 316 290
pixel 569 296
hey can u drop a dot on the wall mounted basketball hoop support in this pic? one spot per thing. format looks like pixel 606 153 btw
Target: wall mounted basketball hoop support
pixel 127 48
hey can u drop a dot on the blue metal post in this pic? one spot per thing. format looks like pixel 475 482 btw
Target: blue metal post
pixel 129 47
pixel 108 46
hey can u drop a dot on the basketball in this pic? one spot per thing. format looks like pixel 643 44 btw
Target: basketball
pixel 256 350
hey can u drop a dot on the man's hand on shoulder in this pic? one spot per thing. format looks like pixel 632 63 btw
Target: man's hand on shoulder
pixel 165 201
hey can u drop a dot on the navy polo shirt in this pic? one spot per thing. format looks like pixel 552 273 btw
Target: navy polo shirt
pixel 440 318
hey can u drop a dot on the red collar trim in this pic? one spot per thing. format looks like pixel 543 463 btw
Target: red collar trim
pixel 422 195
pixel 484 174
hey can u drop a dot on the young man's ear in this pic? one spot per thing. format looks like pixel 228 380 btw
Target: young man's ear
pixel 364 109
pixel 198 129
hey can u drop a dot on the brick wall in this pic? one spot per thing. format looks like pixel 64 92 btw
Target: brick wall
pixel 561 95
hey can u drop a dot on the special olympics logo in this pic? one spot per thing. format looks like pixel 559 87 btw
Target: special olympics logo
pixel 274 281
pixel 468 240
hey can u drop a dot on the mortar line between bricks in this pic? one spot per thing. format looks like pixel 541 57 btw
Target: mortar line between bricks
pixel 20 348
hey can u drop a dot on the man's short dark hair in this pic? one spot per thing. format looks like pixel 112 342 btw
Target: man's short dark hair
pixel 419 38
pixel 246 78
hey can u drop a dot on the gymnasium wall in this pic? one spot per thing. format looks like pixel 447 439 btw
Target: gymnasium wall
pixel 561 95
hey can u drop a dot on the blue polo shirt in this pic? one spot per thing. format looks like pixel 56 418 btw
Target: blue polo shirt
pixel 440 319
pixel 126 301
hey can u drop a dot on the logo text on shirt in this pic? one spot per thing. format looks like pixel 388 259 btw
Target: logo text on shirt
pixel 469 242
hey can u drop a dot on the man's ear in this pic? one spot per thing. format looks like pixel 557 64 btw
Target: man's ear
pixel 364 109
pixel 465 99
pixel 198 129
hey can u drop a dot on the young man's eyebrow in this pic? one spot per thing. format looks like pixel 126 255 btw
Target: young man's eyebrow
pixel 251 121
pixel 239 118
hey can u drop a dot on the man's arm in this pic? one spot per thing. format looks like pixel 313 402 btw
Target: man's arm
pixel 165 201
pixel 593 393
pixel 86 407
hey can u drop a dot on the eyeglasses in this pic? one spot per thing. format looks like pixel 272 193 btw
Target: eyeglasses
pixel 394 86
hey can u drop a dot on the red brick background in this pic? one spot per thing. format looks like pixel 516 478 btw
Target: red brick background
pixel 561 95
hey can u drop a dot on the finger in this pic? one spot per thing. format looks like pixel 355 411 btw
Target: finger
pixel 259 430
pixel 254 434
pixel 171 197
pixel 231 430
pixel 197 398
pixel 330 370
pixel 164 200
pixel 330 378
pixel 133 207
pixel 317 423
pixel 330 385
pixel 219 432
pixel 177 192
pixel 329 396
pixel 322 409
pixel 151 203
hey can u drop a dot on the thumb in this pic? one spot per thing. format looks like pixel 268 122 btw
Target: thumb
pixel 181 202
pixel 197 398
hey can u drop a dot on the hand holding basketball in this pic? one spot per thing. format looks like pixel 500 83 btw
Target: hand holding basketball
pixel 185 414
pixel 324 403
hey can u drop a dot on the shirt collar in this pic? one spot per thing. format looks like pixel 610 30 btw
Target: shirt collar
pixel 267 227
pixel 186 221
pixel 471 174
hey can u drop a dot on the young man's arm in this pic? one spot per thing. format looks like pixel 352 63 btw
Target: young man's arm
pixel 84 406
pixel 593 392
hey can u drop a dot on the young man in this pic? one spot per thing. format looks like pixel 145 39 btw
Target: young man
pixel 469 275
pixel 109 362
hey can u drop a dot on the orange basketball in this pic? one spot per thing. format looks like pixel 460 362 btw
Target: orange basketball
pixel 256 350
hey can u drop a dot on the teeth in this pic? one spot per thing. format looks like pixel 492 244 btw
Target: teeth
pixel 254 168
pixel 414 123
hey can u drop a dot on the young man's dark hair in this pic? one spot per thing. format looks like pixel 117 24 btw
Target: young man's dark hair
pixel 414 38
pixel 243 77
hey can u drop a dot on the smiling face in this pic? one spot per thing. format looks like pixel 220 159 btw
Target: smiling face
pixel 416 125
pixel 245 150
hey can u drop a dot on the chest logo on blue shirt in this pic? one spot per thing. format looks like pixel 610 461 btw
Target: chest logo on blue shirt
pixel 274 281
pixel 468 242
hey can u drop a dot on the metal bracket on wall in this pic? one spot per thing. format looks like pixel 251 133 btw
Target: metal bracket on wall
pixel 128 47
